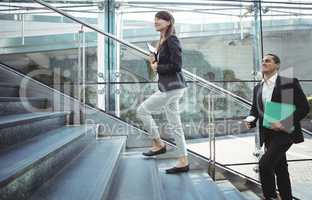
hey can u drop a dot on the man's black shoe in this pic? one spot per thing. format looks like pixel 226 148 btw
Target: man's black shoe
pixel 176 170
pixel 153 153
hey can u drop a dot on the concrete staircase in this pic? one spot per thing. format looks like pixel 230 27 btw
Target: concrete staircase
pixel 42 157
pixel 40 148
pixel 140 178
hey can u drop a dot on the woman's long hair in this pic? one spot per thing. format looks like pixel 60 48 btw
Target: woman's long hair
pixel 170 30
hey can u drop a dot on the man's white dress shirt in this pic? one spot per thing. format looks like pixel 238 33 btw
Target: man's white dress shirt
pixel 268 87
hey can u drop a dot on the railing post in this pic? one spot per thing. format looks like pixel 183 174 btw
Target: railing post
pixel 257 57
pixel 110 55
pixel 212 138
pixel 83 100
pixel 209 132
pixel 78 118
pixel 23 29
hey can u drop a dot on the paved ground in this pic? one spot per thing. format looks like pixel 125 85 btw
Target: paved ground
pixel 238 149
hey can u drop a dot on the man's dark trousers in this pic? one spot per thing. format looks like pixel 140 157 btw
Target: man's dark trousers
pixel 273 162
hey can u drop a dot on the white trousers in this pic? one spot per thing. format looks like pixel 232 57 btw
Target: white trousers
pixel 167 102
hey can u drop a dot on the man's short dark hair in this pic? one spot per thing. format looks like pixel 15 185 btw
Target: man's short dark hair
pixel 275 58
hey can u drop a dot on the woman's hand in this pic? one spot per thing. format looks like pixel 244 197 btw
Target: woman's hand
pixel 153 62
pixel 154 66
pixel 151 58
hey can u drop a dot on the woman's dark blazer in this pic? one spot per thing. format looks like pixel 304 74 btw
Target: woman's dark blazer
pixel 170 65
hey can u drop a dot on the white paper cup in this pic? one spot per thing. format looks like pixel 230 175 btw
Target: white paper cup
pixel 249 119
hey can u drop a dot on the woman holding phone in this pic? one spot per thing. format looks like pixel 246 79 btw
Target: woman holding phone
pixel 167 63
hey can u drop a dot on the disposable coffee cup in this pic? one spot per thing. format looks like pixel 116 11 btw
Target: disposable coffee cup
pixel 249 119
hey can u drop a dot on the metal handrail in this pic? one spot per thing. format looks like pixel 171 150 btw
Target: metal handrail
pixel 142 51
pixel 235 2
pixel 91 27
pixel 139 50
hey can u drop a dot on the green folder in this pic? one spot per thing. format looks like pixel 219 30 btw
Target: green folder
pixel 274 112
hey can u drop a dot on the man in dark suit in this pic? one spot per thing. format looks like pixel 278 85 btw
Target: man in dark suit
pixel 281 135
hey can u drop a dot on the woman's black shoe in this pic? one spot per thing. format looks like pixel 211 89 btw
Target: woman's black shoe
pixel 153 153
pixel 175 170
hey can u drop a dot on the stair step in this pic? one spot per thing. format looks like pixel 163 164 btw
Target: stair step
pixel 193 185
pixel 18 128
pixel 179 187
pixel 15 120
pixel 88 176
pixel 9 90
pixel 136 179
pixel 3 75
pixel 28 165
pixel 229 191
pixel 19 99
pixel 249 195
pixel 18 105
pixel 205 185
